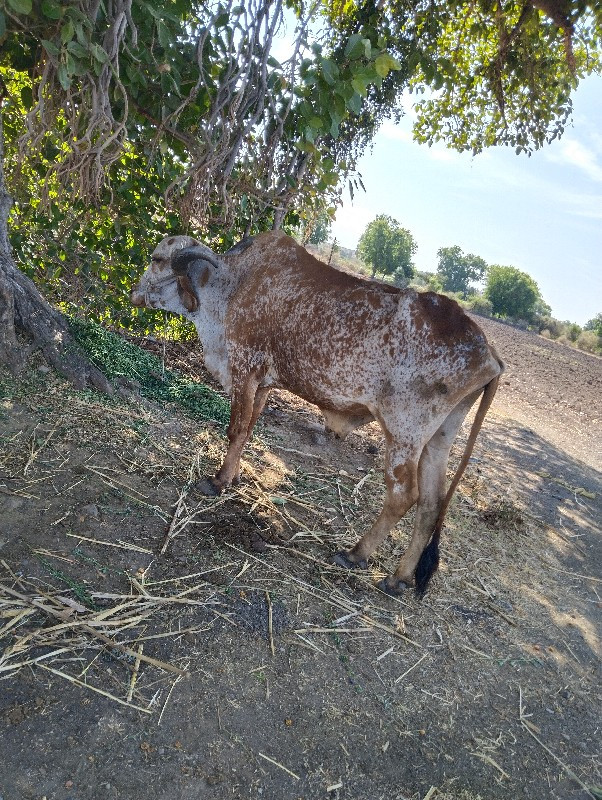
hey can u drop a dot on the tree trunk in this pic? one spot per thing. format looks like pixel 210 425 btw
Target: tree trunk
pixel 28 322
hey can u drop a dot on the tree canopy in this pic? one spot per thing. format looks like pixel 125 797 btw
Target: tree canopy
pixel 512 293
pixel 594 324
pixel 457 270
pixel 387 248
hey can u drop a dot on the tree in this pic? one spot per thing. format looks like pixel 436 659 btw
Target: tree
pixel 387 247
pixel 321 228
pixel 130 116
pixel 594 324
pixel 457 270
pixel 512 293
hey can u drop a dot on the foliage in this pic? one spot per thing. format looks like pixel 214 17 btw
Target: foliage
pixel 117 358
pixel 457 270
pixel 479 304
pixel 512 293
pixel 387 247
pixel 594 324
pixel 590 341
pixel 572 331
pixel 553 326
pixel 320 229
pixel 492 85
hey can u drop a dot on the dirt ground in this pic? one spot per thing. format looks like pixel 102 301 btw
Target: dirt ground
pixel 155 644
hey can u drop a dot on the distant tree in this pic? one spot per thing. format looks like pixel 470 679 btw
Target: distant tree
pixel 512 293
pixel 594 324
pixel 321 228
pixel 573 331
pixel 456 270
pixel 434 283
pixel 388 248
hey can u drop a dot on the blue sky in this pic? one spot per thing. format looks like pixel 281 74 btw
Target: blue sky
pixel 542 214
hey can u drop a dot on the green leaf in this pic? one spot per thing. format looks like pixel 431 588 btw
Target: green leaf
pixel 63 76
pixel 354 47
pixel 2 24
pixel 21 6
pixel 99 53
pixel 49 47
pixel 381 65
pixel 77 67
pixel 359 84
pixel 78 50
pixel 330 70
pixel 165 39
pixel 67 32
pixel 355 104
pixel 27 97
pixel 81 36
pixel 51 9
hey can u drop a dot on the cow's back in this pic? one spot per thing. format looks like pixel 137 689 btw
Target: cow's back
pixel 335 338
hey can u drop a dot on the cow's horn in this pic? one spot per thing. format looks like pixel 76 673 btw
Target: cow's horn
pixel 181 260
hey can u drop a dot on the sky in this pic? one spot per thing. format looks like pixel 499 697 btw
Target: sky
pixel 541 214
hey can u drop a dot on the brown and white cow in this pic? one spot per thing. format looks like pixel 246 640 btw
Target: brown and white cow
pixel 269 314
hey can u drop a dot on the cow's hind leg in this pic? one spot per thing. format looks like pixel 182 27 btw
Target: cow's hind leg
pixel 432 469
pixel 402 492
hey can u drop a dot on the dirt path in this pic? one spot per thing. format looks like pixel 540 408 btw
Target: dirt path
pixel 299 680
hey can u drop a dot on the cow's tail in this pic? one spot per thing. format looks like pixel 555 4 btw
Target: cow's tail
pixel 429 560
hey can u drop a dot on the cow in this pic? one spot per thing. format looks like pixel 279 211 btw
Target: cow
pixel 270 315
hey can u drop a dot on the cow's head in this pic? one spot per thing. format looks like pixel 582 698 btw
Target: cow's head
pixel 169 281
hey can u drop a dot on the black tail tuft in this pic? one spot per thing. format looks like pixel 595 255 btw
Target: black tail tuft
pixel 427 566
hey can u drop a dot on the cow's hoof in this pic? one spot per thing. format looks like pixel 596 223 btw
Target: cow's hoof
pixel 208 487
pixel 342 559
pixel 395 589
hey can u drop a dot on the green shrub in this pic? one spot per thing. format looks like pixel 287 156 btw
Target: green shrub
pixel 554 327
pixel 589 341
pixel 573 331
pixel 480 305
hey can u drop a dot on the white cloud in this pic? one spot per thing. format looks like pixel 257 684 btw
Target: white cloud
pixel 575 153
pixel 396 132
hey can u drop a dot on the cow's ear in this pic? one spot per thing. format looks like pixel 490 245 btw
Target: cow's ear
pixel 187 294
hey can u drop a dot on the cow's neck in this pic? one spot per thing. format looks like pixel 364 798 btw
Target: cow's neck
pixel 209 321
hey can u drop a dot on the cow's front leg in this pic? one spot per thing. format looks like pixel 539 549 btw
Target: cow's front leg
pixel 248 400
